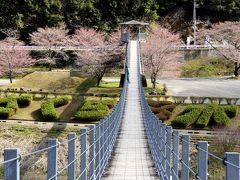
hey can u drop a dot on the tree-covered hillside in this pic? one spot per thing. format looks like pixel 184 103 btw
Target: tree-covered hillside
pixel 27 15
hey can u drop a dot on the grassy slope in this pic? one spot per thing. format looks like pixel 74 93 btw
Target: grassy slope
pixel 62 82
pixel 52 81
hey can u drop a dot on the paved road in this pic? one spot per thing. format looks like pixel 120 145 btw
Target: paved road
pixel 5 81
pixel 203 87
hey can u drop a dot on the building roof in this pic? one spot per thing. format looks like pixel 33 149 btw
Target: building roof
pixel 134 22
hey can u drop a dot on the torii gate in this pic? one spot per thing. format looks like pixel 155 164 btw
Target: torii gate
pixel 126 35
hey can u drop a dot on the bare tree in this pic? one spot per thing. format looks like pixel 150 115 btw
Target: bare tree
pixel 55 36
pixel 12 61
pixel 227 34
pixel 98 59
pixel 157 53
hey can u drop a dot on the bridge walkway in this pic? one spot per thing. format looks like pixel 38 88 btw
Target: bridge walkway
pixel 131 159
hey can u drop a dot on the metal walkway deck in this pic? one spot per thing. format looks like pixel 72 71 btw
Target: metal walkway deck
pixel 131 160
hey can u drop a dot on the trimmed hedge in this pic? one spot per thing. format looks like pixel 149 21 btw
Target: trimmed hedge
pixel 8 107
pixel 12 103
pixel 231 110
pixel 109 102
pixel 88 106
pixel 5 113
pixel 220 117
pixel 61 101
pixel 169 107
pixel 205 117
pixel 92 110
pixel 155 110
pixel 24 100
pixel 48 111
pixel 188 118
pixel 3 102
pixel 162 116
pixel 153 103
pixel 90 115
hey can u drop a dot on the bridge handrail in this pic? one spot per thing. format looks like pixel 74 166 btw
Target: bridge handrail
pixel 102 138
pixel 164 147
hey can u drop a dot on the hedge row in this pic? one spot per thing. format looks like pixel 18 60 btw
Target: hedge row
pixel 48 108
pixel 220 117
pixel 153 103
pixel 8 107
pixel 90 115
pixel 48 111
pixel 93 110
pixel 24 100
pixel 231 110
pixel 205 117
pixel 188 118
pixel 61 101
pixel 5 113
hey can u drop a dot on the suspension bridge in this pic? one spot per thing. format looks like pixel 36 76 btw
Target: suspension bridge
pixel 131 143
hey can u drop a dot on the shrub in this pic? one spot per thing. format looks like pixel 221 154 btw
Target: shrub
pixel 220 117
pixel 205 117
pixel 92 107
pixel 48 111
pixel 155 110
pixel 61 101
pixel 90 115
pixel 12 103
pixel 5 113
pixel 109 102
pixel 92 110
pixel 3 102
pixel 24 100
pixel 162 116
pixel 170 107
pixel 230 110
pixel 153 103
pixel 188 118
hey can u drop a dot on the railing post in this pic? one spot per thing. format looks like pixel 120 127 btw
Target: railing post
pixel 72 156
pixel 101 147
pixel 159 126
pixel 83 166
pixel 202 148
pixel 11 168
pixel 52 159
pixel 185 157
pixel 169 151
pixel 164 149
pixel 175 155
pixel 97 151
pixel 91 153
pixel 232 163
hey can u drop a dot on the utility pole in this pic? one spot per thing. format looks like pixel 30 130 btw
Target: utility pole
pixel 194 22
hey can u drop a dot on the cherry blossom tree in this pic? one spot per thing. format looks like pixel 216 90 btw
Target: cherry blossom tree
pixel 157 51
pixel 102 53
pixel 226 33
pixel 13 61
pixel 54 36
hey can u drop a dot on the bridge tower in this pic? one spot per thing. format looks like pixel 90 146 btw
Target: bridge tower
pixel 133 30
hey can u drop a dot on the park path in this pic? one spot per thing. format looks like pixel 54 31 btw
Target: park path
pixel 131 159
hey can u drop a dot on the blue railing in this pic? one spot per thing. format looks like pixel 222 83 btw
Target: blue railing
pixel 164 143
pixel 96 145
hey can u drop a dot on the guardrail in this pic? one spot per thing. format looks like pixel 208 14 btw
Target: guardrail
pixel 195 99
pixel 164 146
